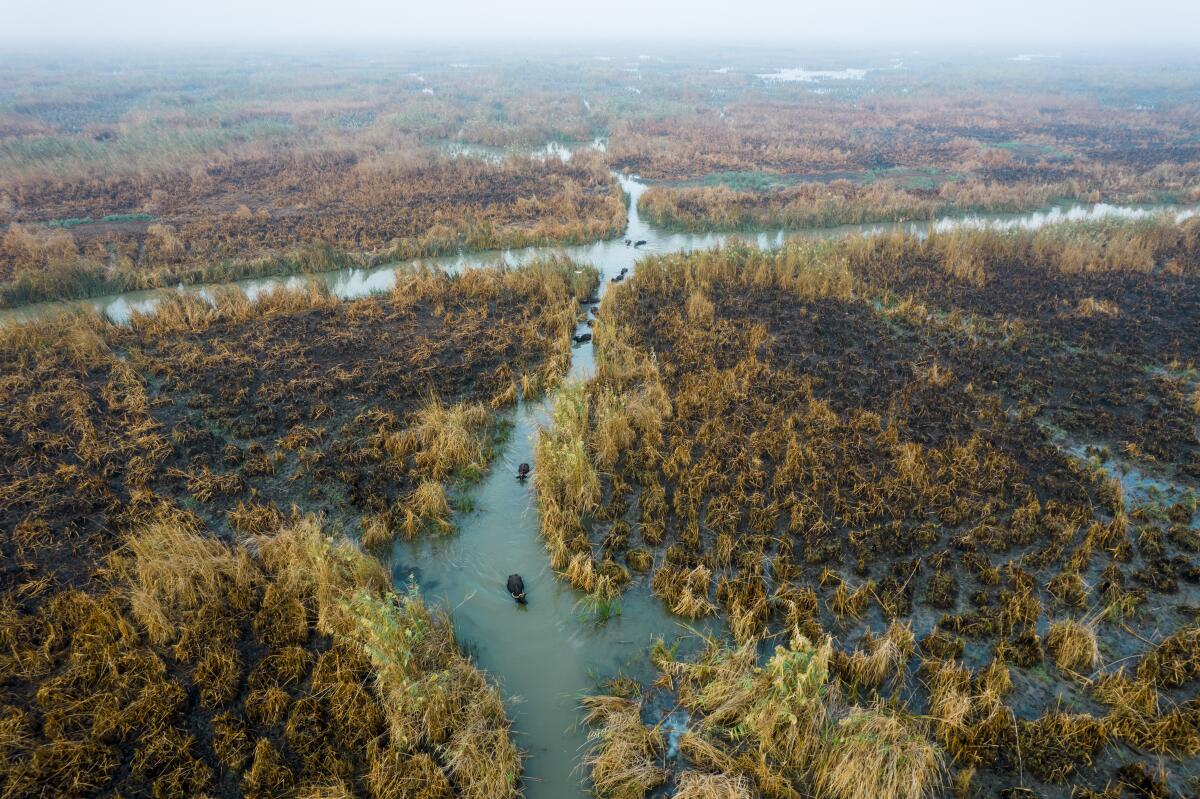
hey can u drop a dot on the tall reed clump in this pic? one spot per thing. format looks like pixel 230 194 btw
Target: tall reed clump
pixel 624 755
pixel 967 710
pixel 177 571
pixel 310 675
pixel 704 785
pixel 879 657
pixel 448 440
pixel 432 695
pixel 1073 645
pixel 1138 716
pixel 806 268
pixel 781 728
pixel 566 481
pixel 877 753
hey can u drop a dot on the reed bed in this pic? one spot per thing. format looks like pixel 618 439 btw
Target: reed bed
pixel 869 443
pixel 203 232
pixel 779 728
pixel 178 620
pixel 292 651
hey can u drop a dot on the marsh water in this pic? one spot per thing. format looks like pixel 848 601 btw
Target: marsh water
pixel 608 255
pixel 546 654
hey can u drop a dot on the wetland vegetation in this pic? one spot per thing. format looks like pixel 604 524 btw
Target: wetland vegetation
pixel 119 172
pixel 185 610
pixel 852 452
pixel 906 512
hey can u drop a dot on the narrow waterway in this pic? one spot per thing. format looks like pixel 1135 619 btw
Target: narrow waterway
pixel 549 652
pixel 609 255
pixel 546 654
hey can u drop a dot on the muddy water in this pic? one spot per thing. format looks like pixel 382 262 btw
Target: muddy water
pixel 546 654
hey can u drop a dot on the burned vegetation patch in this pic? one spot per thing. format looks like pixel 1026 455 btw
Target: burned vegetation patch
pixel 184 608
pixel 887 472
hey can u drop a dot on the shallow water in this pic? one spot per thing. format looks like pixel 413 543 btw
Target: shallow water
pixel 1139 486
pixel 802 75
pixel 548 653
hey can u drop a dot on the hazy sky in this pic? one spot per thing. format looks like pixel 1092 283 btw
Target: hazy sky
pixel 960 21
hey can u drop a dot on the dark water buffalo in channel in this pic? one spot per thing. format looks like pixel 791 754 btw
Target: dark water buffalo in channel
pixel 516 587
pixel 582 338
pixel 523 471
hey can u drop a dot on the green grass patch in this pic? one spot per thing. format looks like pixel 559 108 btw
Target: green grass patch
pixel 746 181
pixel 921 178
pixel 70 221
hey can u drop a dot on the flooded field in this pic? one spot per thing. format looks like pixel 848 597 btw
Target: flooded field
pixel 549 653
pixel 803 503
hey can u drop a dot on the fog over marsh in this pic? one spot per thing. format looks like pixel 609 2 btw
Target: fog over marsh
pixel 1072 21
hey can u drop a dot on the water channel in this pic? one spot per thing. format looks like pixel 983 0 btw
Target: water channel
pixel 546 654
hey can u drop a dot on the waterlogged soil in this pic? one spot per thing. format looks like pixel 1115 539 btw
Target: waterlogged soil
pixel 272 410
pixel 837 463
pixel 259 208
pixel 252 700
pixel 291 405
pixel 222 425
pixel 610 255
pixel 1007 383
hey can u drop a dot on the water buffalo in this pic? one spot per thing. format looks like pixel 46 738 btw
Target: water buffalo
pixel 582 338
pixel 522 471
pixel 639 242
pixel 516 587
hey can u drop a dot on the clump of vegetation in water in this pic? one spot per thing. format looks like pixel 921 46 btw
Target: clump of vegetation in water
pixel 776 727
pixel 354 214
pixel 106 189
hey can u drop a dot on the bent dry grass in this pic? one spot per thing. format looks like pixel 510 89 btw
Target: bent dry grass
pixel 435 205
pixel 175 623
pixel 859 443
pixel 297 652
